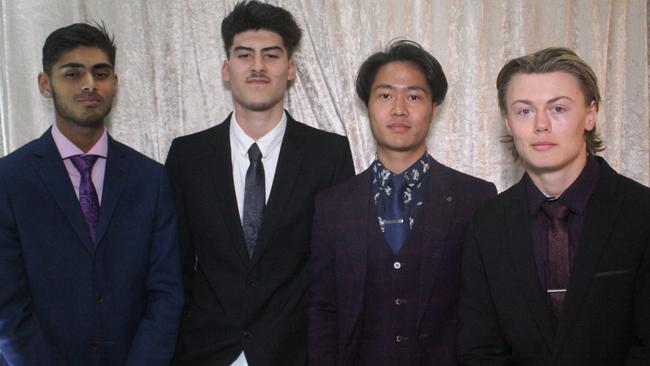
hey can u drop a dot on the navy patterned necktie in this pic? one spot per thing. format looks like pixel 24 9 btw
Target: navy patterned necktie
pixel 88 198
pixel 558 253
pixel 254 198
pixel 395 218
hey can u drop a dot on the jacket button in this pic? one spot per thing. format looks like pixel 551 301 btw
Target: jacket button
pixel 246 333
pixel 250 281
pixel 397 265
pixel 99 298
pixel 95 346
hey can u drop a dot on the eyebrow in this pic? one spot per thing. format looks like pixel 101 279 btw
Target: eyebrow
pixel 550 101
pixel 410 87
pixel 265 49
pixel 76 65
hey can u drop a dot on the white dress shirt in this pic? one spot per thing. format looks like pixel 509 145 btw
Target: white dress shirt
pixel 269 145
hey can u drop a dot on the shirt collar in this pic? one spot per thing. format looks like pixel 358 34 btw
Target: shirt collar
pixel 413 174
pixel 67 148
pixel 242 142
pixel 575 197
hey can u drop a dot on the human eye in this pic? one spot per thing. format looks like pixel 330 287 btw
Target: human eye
pixel 243 55
pixel 71 74
pixel 559 109
pixel 384 95
pixel 272 55
pixel 102 74
pixel 524 111
pixel 414 97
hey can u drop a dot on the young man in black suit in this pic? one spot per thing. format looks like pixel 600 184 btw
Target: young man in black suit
pixel 244 192
pixel 556 269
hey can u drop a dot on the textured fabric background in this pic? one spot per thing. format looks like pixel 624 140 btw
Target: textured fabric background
pixel 170 54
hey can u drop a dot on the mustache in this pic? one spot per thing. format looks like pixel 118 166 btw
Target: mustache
pixel 89 95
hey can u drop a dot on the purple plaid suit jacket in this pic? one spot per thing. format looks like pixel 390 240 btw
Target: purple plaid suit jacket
pixel 341 232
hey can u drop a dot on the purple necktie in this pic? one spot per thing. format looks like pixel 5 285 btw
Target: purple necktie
pixel 87 194
pixel 558 253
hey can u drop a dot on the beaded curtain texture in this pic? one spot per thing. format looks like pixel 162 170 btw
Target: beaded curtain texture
pixel 170 54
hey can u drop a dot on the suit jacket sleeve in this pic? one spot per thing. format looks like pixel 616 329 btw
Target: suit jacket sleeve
pixel 186 249
pixel 640 353
pixel 345 165
pixel 157 332
pixel 322 309
pixel 22 341
pixel 479 340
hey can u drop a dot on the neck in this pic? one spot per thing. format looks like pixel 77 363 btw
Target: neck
pixel 256 124
pixel 398 161
pixel 83 137
pixel 554 183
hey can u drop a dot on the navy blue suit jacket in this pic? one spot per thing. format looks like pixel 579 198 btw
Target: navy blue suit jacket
pixel 343 220
pixel 67 301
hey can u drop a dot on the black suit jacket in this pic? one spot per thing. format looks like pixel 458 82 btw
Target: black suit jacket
pixel 343 227
pixel 235 303
pixel 606 320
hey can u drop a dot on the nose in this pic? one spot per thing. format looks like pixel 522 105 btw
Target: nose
pixel 88 83
pixel 542 123
pixel 258 64
pixel 399 108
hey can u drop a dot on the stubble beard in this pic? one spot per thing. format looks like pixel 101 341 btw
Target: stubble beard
pixel 93 120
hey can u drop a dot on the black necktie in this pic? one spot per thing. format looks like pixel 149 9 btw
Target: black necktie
pixel 254 198
pixel 558 253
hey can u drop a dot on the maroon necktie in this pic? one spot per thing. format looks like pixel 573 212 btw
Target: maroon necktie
pixel 558 253
pixel 87 194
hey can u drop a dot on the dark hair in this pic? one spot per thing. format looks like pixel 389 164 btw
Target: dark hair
pixel 553 59
pixel 77 35
pixel 408 51
pixel 253 15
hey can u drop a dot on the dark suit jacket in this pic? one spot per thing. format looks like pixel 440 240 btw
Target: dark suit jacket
pixel 65 301
pixel 235 303
pixel 344 217
pixel 606 321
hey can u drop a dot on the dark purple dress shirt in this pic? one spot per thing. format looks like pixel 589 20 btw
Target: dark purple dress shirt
pixel 575 198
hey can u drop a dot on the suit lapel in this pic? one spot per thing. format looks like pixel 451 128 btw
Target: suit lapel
pixel 220 163
pixel 284 180
pixel 115 179
pixel 603 207
pixel 519 244
pixel 51 169
pixel 431 228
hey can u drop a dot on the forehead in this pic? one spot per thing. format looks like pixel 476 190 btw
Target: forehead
pixel 401 73
pixel 86 56
pixel 257 39
pixel 544 86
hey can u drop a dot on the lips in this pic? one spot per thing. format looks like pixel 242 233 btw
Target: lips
pixel 543 145
pixel 398 126
pixel 258 80
pixel 89 100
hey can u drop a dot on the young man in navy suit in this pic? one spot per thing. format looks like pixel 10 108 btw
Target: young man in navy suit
pixel 386 243
pixel 556 269
pixel 89 262
pixel 245 194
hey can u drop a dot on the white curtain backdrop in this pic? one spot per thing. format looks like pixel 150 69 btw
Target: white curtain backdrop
pixel 170 54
